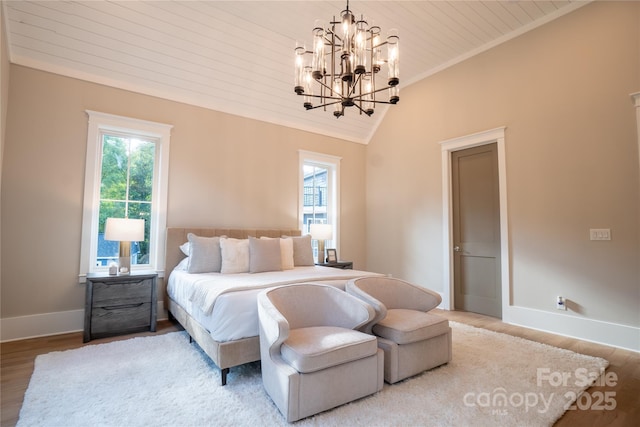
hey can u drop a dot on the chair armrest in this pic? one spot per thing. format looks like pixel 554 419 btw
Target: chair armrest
pixel 396 293
pixel 379 309
pixel 418 297
pixel 311 304
pixel 273 323
pixel 350 312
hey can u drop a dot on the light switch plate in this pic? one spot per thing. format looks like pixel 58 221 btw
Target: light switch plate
pixel 600 234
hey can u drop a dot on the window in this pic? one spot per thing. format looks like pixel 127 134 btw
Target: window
pixel 126 177
pixel 126 191
pixel 319 194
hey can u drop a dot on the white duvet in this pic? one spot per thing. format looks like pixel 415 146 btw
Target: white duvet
pixel 225 304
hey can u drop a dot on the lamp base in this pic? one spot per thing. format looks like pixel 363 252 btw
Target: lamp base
pixel 124 265
pixel 320 251
pixel 124 260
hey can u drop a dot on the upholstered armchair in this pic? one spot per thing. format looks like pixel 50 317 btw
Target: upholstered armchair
pixel 413 339
pixel 313 358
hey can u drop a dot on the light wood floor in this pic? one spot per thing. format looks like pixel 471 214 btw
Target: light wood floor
pixel 17 366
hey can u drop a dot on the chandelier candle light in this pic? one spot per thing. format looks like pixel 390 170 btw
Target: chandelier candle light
pixel 344 64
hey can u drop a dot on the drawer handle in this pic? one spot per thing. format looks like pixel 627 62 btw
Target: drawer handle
pixel 115 307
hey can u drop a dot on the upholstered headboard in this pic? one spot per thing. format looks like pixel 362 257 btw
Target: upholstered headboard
pixel 176 236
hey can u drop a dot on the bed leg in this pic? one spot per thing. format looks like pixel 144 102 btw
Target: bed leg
pixel 224 373
pixel 190 339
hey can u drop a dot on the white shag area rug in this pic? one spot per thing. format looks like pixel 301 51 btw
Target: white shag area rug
pixel 493 380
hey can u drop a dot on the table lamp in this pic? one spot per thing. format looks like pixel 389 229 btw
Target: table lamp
pixel 124 230
pixel 321 232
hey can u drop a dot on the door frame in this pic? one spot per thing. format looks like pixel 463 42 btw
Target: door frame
pixel 447 147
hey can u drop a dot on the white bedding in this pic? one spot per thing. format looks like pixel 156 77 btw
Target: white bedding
pixel 225 304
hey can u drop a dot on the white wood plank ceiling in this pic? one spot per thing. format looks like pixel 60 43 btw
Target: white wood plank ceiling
pixel 237 56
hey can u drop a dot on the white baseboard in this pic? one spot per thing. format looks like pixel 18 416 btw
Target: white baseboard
pixel 597 331
pixel 42 325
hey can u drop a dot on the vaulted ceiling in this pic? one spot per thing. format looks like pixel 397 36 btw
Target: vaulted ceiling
pixel 237 56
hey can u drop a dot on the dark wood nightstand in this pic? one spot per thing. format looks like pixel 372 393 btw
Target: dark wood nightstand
pixel 345 265
pixel 120 305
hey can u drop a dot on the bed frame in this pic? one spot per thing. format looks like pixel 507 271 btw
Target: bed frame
pixel 224 354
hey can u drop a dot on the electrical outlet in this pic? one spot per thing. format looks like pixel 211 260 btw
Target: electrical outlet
pixel 561 303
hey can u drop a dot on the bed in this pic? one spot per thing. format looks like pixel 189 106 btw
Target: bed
pixel 218 308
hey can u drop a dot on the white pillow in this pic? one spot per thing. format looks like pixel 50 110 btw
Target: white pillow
pixel 182 265
pixel 235 255
pixel 204 254
pixel 186 248
pixel 286 252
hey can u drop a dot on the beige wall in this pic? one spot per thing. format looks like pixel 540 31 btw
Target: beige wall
pixel 4 98
pixel 224 170
pixel 562 91
pixel 4 83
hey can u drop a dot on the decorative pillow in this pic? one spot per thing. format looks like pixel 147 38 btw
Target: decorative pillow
pixel 235 255
pixel 302 251
pixel 186 248
pixel 182 265
pixel 204 254
pixel 264 255
pixel 286 251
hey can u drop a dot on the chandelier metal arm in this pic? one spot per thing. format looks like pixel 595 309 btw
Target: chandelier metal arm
pixel 363 111
pixel 351 88
pixel 324 85
pixel 374 91
pixel 336 99
pixel 324 105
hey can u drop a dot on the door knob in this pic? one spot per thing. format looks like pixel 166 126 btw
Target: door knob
pixel 456 248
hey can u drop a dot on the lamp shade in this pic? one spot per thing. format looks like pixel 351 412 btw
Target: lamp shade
pixel 321 231
pixel 124 229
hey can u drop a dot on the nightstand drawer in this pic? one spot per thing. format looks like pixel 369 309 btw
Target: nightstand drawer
pixel 120 318
pixel 120 305
pixel 115 294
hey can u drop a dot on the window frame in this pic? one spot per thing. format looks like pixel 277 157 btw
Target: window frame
pixel 332 164
pixel 161 134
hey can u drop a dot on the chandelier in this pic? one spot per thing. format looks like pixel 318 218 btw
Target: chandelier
pixel 341 69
